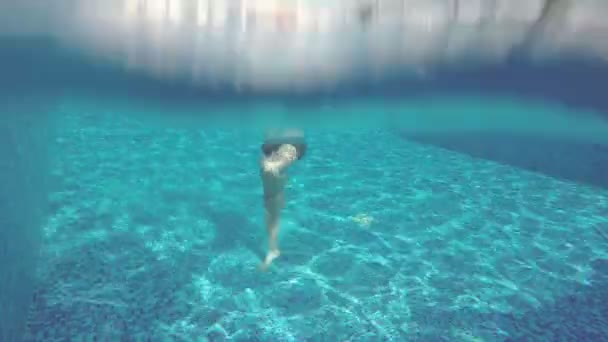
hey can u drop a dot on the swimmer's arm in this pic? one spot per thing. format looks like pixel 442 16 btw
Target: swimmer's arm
pixel 281 159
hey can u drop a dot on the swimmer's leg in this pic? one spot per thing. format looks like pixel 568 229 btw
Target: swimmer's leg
pixel 273 212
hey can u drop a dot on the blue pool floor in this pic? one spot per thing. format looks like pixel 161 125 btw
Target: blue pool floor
pixel 156 234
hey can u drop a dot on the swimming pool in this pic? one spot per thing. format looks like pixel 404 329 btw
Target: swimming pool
pixel 454 186
pixel 155 233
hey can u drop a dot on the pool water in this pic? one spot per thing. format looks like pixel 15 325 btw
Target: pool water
pixel 155 234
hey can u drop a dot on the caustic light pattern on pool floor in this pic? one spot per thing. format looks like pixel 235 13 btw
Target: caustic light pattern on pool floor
pixel 156 234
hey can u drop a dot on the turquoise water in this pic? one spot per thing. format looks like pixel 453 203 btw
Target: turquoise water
pixel 471 205
pixel 155 233
pixel 454 187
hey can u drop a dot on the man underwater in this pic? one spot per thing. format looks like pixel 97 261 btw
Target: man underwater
pixel 280 150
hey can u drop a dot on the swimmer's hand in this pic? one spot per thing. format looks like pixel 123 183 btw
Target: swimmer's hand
pixel 273 168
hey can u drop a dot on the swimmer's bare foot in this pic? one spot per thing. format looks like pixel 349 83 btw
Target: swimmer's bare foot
pixel 273 254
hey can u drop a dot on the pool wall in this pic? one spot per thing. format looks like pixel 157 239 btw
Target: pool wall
pixel 24 137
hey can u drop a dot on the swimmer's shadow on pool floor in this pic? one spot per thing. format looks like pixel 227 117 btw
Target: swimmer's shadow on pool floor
pixel 233 230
